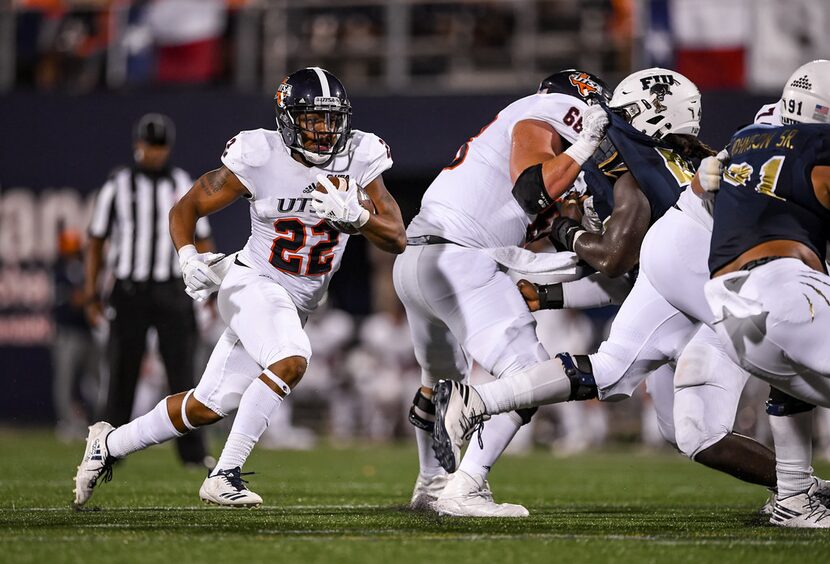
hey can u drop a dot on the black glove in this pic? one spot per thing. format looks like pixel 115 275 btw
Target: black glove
pixel 563 232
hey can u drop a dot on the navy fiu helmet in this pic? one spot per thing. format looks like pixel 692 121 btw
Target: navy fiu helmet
pixel 576 83
pixel 314 114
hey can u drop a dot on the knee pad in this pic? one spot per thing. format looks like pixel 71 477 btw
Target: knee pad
pixel 422 412
pixel 527 414
pixel 579 372
pixel 781 404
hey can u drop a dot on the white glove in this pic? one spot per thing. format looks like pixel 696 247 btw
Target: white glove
pixel 196 269
pixel 710 171
pixel 338 206
pixel 594 126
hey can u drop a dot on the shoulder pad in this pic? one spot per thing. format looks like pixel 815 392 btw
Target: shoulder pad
pixel 372 156
pixel 248 149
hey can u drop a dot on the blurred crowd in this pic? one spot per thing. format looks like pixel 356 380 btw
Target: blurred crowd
pixel 81 45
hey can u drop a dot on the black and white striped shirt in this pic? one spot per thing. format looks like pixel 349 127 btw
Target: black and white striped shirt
pixel 131 210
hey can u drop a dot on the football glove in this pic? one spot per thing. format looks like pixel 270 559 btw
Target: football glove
pixel 196 269
pixel 564 233
pixel 338 206
pixel 590 218
pixel 710 172
pixel 594 126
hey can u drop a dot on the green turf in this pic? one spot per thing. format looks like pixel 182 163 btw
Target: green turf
pixel 348 505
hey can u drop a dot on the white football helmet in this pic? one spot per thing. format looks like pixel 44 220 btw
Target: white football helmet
pixel 659 101
pixel 806 96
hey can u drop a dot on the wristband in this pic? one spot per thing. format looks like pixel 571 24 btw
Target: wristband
pixel 581 151
pixel 186 253
pixel 551 296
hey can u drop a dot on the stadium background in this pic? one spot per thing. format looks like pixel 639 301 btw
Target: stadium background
pixel 424 75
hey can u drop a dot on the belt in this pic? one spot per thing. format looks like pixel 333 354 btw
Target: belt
pixel 428 240
pixel 758 262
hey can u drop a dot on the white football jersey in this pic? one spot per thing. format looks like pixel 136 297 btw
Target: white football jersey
pixel 288 242
pixel 471 202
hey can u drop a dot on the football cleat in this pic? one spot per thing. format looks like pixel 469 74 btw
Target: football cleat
pixel 227 488
pixel 96 463
pixel 426 491
pixel 459 412
pixel 467 496
pixel 803 510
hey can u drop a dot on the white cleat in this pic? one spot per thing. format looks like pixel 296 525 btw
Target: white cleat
pixel 227 488
pixel 426 491
pixel 803 510
pixel 466 496
pixel 95 464
pixel 459 412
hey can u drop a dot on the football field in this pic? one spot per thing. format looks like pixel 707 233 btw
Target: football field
pixel 348 505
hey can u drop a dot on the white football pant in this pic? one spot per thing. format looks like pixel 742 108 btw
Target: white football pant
pixel 776 324
pixel 264 327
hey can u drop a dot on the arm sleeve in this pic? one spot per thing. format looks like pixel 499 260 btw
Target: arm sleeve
pixel 596 290
pixel 103 212
pixel 244 153
pixel 376 157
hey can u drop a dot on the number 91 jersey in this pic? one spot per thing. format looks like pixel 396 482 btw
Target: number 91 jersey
pixel 766 192
pixel 288 242
pixel 471 201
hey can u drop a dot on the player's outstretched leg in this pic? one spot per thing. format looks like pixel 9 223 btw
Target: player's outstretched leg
pixel 224 485
pixel 172 417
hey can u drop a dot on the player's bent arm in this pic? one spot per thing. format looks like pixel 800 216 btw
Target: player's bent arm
pixel 535 143
pixel 385 229
pixel 212 192
pixel 617 250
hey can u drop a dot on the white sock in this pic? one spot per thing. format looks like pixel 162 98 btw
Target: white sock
pixel 151 428
pixel 429 465
pixel 793 437
pixel 257 405
pixel 541 384
pixel 498 431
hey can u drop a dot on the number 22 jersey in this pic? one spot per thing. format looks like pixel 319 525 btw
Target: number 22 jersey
pixel 471 201
pixel 288 242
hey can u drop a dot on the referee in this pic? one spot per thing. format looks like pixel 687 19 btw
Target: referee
pixel 131 213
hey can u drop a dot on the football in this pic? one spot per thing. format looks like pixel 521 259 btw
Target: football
pixel 342 184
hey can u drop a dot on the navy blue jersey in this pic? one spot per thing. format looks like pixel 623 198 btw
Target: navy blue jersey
pixel 766 192
pixel 661 173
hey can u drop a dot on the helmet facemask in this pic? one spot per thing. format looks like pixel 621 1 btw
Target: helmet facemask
pixel 317 132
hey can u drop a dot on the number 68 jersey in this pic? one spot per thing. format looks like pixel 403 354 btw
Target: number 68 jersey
pixel 288 242
pixel 471 201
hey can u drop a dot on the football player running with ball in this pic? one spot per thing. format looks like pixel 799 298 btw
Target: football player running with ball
pixel 460 304
pixel 299 225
